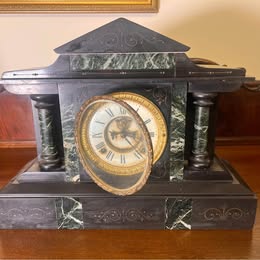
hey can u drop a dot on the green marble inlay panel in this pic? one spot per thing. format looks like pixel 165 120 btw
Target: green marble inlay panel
pixel 69 213
pixel 72 164
pixel 72 96
pixel 177 131
pixel 122 61
pixel 178 213
pixel 201 125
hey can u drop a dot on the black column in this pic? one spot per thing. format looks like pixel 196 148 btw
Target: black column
pixel 45 105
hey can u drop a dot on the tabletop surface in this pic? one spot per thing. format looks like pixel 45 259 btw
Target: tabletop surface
pixel 135 244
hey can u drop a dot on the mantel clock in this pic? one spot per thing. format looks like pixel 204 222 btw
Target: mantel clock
pixel 124 122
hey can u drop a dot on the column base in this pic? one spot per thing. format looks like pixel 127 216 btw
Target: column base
pixel 199 161
pixel 50 164
pixel 215 172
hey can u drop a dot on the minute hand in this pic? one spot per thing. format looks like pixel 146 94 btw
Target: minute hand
pixel 133 147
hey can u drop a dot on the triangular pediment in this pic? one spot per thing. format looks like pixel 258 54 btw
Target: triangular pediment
pixel 121 36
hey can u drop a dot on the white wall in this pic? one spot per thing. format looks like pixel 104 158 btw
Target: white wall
pixel 225 31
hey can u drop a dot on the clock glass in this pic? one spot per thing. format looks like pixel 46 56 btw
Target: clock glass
pixel 114 144
pixel 151 116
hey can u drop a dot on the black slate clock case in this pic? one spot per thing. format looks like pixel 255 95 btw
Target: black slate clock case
pixel 158 92
pixel 189 186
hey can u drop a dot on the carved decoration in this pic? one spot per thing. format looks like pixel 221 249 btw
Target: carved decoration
pixel 121 215
pixel 159 94
pixel 122 36
pixel 222 214
pixel 25 213
pixel 161 170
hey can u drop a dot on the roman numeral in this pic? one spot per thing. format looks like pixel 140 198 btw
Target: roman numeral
pixel 100 145
pixel 137 155
pixel 137 109
pixel 110 155
pixel 99 122
pixel 122 159
pixel 98 135
pixel 147 121
pixel 109 112
pixel 122 111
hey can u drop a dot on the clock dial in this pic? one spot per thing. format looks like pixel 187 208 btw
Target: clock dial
pixel 115 138
pixel 152 118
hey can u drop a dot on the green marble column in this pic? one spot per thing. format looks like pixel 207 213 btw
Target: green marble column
pixel 201 125
pixel 49 157
pixel 200 156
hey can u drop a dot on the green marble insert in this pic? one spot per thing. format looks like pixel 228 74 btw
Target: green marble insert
pixel 122 61
pixel 178 213
pixel 69 213
pixel 72 164
pixel 177 131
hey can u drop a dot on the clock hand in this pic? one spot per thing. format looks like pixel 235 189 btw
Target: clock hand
pixel 114 134
pixel 132 134
pixel 123 134
pixel 133 147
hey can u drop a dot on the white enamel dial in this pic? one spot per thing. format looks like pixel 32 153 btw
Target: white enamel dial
pixel 115 136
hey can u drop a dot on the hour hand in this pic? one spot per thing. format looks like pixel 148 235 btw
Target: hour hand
pixel 132 134
pixel 114 134
pixel 123 134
